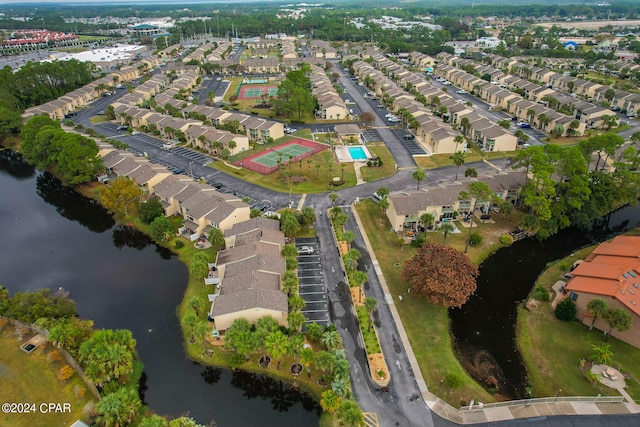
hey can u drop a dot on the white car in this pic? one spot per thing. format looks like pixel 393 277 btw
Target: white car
pixel 305 250
pixel 461 91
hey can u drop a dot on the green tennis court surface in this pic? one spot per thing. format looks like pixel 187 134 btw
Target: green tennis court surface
pixel 271 158
pixel 252 92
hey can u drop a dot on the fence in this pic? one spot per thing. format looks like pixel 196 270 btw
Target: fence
pixel 70 360
pixel 540 400
pixel 250 164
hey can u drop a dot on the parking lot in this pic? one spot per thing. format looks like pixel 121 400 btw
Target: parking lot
pixel 412 145
pixel 160 143
pixel 370 135
pixel 312 287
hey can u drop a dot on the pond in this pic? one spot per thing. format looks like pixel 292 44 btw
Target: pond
pixel 484 328
pixel 120 279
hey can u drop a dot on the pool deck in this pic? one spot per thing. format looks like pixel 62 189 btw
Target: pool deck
pixel 344 156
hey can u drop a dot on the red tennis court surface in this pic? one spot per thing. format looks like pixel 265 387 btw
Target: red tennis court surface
pixel 266 162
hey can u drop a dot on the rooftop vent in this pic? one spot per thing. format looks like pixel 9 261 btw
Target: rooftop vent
pixel 631 273
pixel 633 303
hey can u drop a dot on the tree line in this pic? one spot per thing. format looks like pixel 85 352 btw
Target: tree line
pixel 73 157
pixel 576 185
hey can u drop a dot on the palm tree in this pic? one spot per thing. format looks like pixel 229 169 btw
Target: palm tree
pixel 466 124
pixel 314 331
pixel 330 339
pixel 196 303
pixel 426 219
pixel 446 228
pixel 459 139
pixel 276 344
pixel 419 175
pixel 348 236
pixel 470 173
pixel 307 357
pixel 619 319
pixel 290 285
pixel 201 330
pixel 458 160
pixel 384 205
pixel 296 303
pixel 296 320
pixel 350 414
pixel 232 145
pixel 330 401
pixel 325 361
pixel 296 345
pixel 597 308
pixel 117 409
pixel 370 304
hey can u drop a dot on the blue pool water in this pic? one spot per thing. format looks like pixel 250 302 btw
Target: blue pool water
pixel 357 153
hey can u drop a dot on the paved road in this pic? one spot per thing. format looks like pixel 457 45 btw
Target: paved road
pixel 393 142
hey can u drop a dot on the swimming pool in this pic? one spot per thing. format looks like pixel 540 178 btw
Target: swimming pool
pixel 357 153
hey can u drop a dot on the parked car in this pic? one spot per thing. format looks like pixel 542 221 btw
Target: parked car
pixel 461 91
pixel 524 125
pixel 305 250
pixel 122 127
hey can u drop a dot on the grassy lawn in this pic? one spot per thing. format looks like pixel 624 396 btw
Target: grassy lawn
pixel 427 325
pixel 552 349
pixel 33 379
pixel 441 160
pixel 314 180
pixel 388 167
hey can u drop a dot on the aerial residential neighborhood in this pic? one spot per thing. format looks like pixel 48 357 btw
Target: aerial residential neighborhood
pixel 329 214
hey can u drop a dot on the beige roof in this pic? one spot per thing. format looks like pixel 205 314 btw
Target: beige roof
pixel 270 264
pixel 253 224
pixel 243 252
pixel 262 235
pixel 252 279
pixel 253 298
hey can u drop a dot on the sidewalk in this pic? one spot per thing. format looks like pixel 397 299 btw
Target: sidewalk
pixel 491 412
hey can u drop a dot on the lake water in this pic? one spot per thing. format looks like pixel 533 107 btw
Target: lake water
pixel 52 237
pixel 484 328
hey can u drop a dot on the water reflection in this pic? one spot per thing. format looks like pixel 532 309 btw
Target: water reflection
pixel 15 165
pixel 72 205
pixel 124 235
pixel 282 396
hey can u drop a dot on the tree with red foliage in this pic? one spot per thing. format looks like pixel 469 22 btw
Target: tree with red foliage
pixel 441 274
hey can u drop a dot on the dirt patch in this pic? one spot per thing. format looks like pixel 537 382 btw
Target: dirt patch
pixel 378 366
pixel 343 247
pixel 356 296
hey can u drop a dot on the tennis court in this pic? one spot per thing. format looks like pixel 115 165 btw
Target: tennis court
pixel 266 162
pixel 245 92
pixel 271 158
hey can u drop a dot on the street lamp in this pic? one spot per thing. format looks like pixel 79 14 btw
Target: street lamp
pixel 191 168
pixel 557 395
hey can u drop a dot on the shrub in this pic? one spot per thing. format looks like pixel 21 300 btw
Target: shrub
pixel 475 239
pixel 65 373
pixel 453 380
pixel 179 244
pixel 416 243
pixel 566 309
pixel 506 239
pixel 369 163
pixel 541 294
